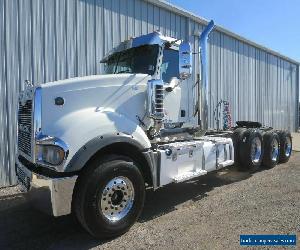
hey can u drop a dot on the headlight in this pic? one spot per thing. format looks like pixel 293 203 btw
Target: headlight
pixel 51 154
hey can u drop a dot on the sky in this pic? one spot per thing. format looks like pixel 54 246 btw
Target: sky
pixel 272 23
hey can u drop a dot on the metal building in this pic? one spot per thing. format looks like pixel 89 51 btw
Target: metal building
pixel 42 41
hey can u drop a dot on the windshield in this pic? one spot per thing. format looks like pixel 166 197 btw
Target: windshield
pixel 136 60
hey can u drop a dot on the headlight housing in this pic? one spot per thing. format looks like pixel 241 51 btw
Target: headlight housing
pixel 51 154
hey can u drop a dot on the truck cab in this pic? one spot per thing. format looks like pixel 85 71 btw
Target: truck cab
pixel 91 145
pixel 158 57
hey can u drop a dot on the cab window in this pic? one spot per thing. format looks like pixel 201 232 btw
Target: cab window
pixel 169 67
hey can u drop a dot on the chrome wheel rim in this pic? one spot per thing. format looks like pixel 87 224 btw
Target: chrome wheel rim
pixel 117 198
pixel 275 150
pixel 288 147
pixel 256 150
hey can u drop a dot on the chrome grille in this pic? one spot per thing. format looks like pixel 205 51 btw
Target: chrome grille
pixel 25 127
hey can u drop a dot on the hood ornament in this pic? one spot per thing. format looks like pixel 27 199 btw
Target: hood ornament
pixel 28 84
pixel 27 93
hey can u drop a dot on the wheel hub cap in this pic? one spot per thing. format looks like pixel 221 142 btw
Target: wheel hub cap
pixel 117 198
pixel 288 147
pixel 256 150
pixel 275 150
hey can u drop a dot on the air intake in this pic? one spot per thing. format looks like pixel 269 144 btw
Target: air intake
pixel 156 99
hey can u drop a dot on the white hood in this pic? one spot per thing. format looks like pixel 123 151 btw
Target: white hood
pixel 85 97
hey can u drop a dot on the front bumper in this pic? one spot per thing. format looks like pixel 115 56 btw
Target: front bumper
pixel 50 195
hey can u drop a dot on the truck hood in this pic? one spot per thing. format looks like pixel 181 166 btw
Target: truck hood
pixel 93 81
pixel 85 97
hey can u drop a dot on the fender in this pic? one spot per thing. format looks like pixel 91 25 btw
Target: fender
pixel 82 156
pixel 101 128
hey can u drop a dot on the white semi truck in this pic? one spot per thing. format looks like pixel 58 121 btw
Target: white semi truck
pixel 91 145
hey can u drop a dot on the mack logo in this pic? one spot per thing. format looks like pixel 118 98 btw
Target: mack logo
pixel 24 128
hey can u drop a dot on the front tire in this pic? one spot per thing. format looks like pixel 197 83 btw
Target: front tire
pixel 109 197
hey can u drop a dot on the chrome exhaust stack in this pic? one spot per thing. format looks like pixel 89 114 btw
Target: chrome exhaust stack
pixel 204 76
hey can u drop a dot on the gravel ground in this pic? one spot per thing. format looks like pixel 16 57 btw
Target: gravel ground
pixel 207 213
pixel 296 141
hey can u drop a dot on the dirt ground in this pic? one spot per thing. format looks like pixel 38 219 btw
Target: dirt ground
pixel 207 213
pixel 296 141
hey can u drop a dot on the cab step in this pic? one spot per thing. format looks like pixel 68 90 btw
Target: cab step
pixel 189 175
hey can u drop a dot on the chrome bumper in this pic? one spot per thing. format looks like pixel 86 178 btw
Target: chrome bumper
pixel 49 195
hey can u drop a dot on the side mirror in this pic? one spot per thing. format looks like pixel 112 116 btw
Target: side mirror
pixel 185 61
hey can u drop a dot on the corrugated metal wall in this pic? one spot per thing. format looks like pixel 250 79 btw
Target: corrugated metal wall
pixel 45 40
pixel 258 85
